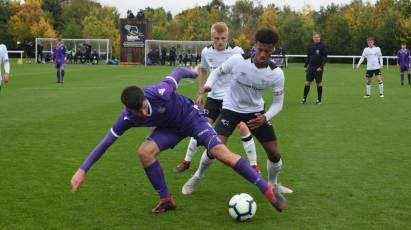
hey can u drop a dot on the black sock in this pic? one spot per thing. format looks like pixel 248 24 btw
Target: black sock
pixel 320 92
pixel 306 90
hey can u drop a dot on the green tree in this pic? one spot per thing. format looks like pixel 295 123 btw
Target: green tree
pixel 54 7
pixel 5 12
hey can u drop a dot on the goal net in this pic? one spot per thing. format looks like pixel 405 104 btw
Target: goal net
pixel 101 47
pixel 166 51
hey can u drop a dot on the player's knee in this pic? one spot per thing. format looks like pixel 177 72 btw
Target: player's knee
pixel 145 152
pixel 242 127
pixel 274 156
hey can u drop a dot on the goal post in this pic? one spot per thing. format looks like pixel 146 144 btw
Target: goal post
pixel 156 46
pixel 101 46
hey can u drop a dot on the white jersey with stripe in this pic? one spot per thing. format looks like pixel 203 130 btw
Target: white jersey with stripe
pixel 245 94
pixel 211 59
pixel 4 59
pixel 374 58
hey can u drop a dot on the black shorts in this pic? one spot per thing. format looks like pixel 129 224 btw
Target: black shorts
pixel 212 108
pixel 371 73
pixel 228 120
pixel 312 74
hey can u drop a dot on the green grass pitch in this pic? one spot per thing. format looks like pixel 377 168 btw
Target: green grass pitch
pixel 347 160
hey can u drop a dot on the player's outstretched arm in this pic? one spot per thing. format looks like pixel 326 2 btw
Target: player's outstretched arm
pixel 78 177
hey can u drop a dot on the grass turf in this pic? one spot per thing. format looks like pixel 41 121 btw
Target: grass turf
pixel 347 160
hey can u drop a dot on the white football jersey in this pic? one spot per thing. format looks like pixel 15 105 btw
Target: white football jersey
pixel 374 58
pixel 4 59
pixel 211 59
pixel 245 94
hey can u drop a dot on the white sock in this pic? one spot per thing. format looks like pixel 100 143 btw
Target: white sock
pixel 191 149
pixel 381 87
pixel 249 147
pixel 368 87
pixel 205 162
pixel 273 170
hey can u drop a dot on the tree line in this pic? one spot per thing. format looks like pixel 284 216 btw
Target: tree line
pixel 344 28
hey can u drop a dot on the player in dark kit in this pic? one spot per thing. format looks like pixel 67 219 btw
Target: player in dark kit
pixel 314 66
pixel 403 61
pixel 174 118
pixel 59 58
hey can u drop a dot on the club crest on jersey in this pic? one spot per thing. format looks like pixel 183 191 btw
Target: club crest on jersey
pixel 161 91
pixel 126 118
pixel 317 51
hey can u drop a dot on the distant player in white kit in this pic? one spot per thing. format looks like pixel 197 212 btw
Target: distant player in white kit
pixel 374 66
pixel 211 57
pixel 4 58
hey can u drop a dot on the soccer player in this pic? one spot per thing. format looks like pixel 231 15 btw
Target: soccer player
pixel 403 61
pixel 374 66
pixel 59 58
pixel 174 118
pixel 211 57
pixel 314 66
pixel 4 58
pixel 251 76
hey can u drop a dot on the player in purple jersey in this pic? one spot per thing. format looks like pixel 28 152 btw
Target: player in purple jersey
pixel 174 118
pixel 59 58
pixel 403 61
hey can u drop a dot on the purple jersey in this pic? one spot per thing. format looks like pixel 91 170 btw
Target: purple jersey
pixel 167 109
pixel 59 53
pixel 403 56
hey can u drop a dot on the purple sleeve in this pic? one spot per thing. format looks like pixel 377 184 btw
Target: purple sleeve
pixel 98 151
pixel 115 132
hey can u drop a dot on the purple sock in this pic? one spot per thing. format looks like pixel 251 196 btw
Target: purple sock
pixel 58 75
pixel 243 168
pixel 62 75
pixel 155 174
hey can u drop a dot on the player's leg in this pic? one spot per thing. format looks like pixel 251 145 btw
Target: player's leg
pixel 58 72
pixel 218 150
pixel 380 83
pixel 159 140
pixel 308 79
pixel 248 145
pixel 318 80
pixel 409 76
pixel 62 73
pixel 266 136
pixel 368 76
pixel 212 109
pixel 402 70
pixel 225 126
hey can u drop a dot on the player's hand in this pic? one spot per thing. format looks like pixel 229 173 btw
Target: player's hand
pixel 199 100
pixel 257 122
pixel 206 89
pixel 6 77
pixel 398 65
pixel 382 67
pixel 357 67
pixel 319 69
pixel 305 69
pixel 77 180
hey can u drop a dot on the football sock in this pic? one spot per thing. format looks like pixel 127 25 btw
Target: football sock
pixel 205 162
pixel 320 92
pixel 249 147
pixel 245 170
pixel 409 78
pixel 62 75
pixel 155 174
pixel 306 90
pixel 368 89
pixel 402 78
pixel 273 170
pixel 381 87
pixel 191 149
pixel 58 75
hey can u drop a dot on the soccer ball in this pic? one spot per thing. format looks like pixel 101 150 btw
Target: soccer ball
pixel 242 207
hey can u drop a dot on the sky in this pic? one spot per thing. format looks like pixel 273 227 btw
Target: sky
pixel 176 6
